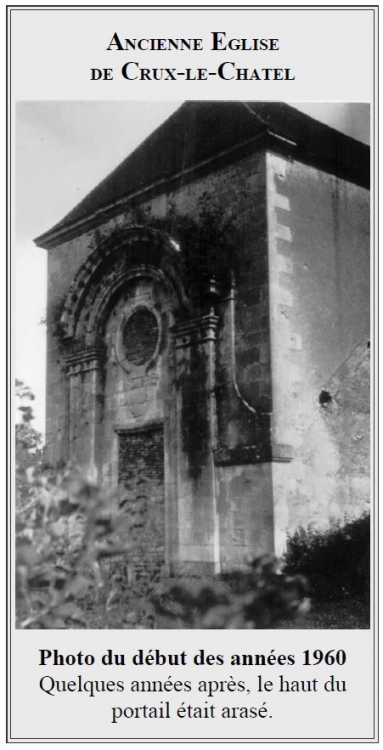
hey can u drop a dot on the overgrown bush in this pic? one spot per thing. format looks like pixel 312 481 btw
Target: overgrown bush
pixel 64 528
pixel 29 454
pixel 336 561
pixel 62 536
pixel 255 598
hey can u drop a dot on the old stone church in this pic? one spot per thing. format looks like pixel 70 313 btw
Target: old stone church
pixel 208 327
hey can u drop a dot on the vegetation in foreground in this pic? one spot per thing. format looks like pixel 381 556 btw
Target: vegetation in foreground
pixel 72 571
pixel 336 565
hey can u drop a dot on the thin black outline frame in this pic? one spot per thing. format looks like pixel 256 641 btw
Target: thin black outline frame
pixel 375 370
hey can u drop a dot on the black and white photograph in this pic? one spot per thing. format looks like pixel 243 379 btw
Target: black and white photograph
pixel 192 258
pixel 192 362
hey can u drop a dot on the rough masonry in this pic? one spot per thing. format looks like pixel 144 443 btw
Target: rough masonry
pixel 208 316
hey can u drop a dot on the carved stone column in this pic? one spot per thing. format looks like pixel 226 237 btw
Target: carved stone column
pixel 198 528
pixel 85 389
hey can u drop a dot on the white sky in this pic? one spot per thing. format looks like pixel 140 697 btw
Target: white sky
pixel 64 149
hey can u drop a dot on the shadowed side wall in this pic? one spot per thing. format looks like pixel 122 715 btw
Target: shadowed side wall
pixel 241 521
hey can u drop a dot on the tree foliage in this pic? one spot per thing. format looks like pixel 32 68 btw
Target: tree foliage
pixel 256 597
pixel 29 452
pixel 64 527
pixel 335 561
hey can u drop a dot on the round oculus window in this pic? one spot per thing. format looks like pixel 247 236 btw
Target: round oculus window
pixel 140 336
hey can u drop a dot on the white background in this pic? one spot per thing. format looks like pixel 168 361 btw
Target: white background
pixel 330 51
pixel 320 715
pixel 331 54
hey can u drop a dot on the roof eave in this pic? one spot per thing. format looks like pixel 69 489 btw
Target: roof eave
pixel 267 140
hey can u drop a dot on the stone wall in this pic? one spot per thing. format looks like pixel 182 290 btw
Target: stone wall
pixel 233 382
pixel 319 290
pixel 345 408
pixel 141 498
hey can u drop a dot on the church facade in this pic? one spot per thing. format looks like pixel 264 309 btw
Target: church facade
pixel 208 327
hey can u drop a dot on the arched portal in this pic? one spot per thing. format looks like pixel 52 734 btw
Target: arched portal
pixel 117 319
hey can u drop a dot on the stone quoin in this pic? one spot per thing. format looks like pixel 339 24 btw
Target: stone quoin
pixel 208 327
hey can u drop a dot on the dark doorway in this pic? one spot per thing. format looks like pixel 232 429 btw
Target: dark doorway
pixel 141 497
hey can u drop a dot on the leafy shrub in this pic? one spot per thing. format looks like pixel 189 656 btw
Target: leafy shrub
pixel 62 535
pixel 336 561
pixel 29 452
pixel 256 598
pixel 64 528
pixel 125 602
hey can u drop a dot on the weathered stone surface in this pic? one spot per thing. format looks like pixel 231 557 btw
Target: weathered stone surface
pixel 197 399
pixel 141 497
